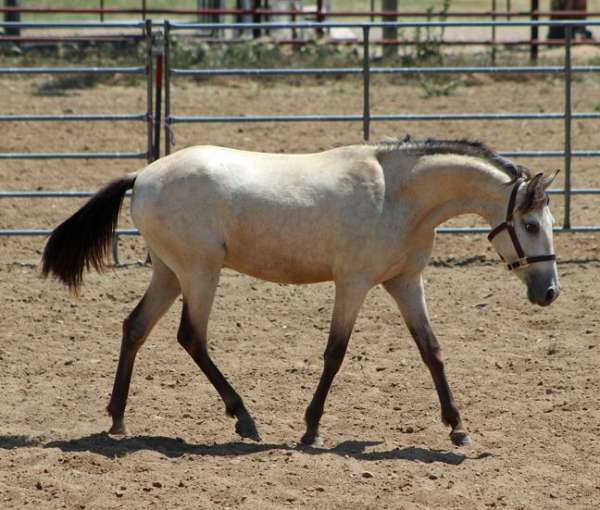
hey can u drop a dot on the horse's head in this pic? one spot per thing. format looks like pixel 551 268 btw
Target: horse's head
pixel 524 240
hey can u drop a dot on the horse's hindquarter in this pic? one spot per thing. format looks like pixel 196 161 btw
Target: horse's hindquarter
pixel 296 219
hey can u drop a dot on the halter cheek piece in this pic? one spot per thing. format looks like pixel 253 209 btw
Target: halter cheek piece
pixel 522 261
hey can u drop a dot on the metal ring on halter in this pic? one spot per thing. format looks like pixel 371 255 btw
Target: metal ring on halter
pixel 523 260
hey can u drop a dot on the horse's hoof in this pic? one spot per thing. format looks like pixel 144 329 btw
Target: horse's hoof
pixel 247 429
pixel 460 439
pixel 310 439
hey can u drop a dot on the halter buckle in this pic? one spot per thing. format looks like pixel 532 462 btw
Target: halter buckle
pixel 518 264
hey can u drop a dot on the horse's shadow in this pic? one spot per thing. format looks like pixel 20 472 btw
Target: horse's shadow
pixel 108 446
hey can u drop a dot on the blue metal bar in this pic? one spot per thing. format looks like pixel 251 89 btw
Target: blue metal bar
pixel 266 72
pixel 49 194
pixel 176 119
pixel 483 69
pixel 381 24
pixel 86 194
pixel 470 116
pixel 75 117
pixel 73 155
pixel 47 232
pixel 486 230
pixel 73 70
pixel 486 116
pixel 263 118
pixel 71 24
pixel 379 70
pixel 441 230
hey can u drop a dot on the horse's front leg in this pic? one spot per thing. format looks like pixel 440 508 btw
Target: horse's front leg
pixel 348 300
pixel 409 295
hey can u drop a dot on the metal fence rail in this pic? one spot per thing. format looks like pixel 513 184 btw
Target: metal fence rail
pixel 366 118
pixel 145 69
pixel 137 31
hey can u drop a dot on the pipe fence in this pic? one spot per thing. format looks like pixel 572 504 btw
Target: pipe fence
pixel 158 38
pixel 141 31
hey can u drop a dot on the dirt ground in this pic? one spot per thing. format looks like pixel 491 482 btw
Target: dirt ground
pixel 526 379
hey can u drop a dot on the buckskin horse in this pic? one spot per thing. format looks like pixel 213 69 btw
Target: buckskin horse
pixel 358 215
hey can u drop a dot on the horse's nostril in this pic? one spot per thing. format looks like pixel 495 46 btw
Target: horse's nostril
pixel 550 295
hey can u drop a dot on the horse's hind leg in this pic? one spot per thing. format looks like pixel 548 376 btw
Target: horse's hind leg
pixel 161 293
pixel 198 296
pixel 409 295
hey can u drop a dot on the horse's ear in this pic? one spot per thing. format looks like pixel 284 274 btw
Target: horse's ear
pixel 535 196
pixel 550 179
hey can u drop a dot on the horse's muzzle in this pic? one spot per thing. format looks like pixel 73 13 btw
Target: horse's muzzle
pixel 543 296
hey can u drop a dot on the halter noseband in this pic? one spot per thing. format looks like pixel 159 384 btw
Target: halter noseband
pixel 522 261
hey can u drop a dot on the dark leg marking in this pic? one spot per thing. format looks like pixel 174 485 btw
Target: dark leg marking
pixel 431 355
pixel 134 335
pixel 333 358
pixel 196 347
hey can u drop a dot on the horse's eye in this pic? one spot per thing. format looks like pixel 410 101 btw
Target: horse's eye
pixel 532 228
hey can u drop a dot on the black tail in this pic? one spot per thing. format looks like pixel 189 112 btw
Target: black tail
pixel 83 241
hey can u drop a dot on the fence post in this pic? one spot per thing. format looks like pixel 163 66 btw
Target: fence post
pixel 390 33
pixel 168 132
pixel 256 18
pixel 534 37
pixel 147 34
pixel 568 117
pixel 158 47
pixel 366 85
pixel 149 94
pixel 494 7
pixel 320 17
pixel 12 16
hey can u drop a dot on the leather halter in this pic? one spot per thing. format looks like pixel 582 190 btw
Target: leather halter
pixel 522 261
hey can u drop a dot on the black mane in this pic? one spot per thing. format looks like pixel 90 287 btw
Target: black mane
pixel 473 148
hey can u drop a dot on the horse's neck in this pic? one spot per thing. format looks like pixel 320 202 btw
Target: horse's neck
pixel 448 185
